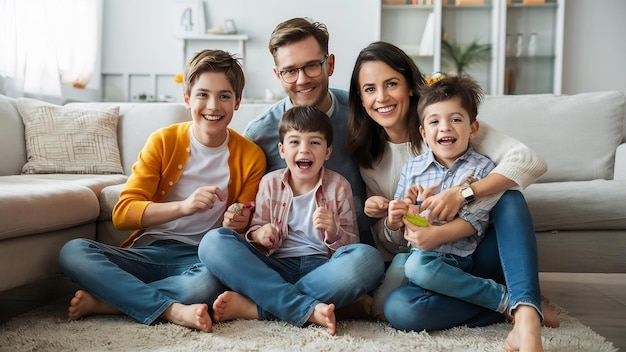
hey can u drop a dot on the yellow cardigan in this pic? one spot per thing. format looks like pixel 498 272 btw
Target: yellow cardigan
pixel 162 161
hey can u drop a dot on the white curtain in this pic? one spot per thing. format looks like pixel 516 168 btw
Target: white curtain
pixel 44 44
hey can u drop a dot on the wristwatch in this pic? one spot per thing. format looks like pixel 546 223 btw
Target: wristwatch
pixel 467 194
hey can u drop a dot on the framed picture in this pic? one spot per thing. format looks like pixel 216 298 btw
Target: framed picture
pixel 190 17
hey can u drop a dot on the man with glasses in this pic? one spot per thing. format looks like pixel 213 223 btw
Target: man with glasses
pixel 303 66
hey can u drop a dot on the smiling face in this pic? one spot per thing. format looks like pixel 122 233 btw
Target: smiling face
pixel 212 103
pixel 305 91
pixel 304 153
pixel 447 129
pixel 385 95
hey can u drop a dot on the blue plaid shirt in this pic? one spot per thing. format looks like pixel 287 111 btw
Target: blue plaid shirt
pixel 426 171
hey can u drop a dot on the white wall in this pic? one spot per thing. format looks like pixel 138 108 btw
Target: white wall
pixel 150 46
pixel 594 57
pixel 139 37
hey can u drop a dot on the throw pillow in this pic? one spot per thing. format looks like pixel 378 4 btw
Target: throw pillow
pixel 61 139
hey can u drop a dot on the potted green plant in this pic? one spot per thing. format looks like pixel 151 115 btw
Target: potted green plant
pixel 463 57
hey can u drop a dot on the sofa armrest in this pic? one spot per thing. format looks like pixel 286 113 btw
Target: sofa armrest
pixel 620 162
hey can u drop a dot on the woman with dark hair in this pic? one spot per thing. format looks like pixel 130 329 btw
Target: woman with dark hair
pixel 384 121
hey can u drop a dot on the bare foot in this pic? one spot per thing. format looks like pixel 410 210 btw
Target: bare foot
pixel 194 316
pixel 550 318
pixel 231 305
pixel 526 333
pixel 83 303
pixel 324 315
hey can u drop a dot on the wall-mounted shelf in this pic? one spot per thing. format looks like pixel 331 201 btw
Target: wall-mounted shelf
pixel 503 73
pixel 239 38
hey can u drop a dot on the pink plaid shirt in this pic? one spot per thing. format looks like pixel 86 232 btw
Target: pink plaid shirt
pixel 332 191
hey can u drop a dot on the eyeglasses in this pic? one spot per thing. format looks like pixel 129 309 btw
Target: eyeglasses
pixel 312 70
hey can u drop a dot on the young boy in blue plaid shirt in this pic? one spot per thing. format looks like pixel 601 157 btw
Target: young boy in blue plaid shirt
pixel 441 256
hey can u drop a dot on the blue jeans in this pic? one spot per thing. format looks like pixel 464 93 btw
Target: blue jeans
pixel 140 282
pixel 288 289
pixel 512 235
pixel 449 275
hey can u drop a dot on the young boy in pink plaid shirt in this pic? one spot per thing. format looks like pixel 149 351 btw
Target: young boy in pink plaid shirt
pixel 301 257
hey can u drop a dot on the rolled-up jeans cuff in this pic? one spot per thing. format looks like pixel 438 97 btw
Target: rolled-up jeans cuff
pixel 526 303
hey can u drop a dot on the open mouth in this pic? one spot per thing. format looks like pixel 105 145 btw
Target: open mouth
pixel 306 90
pixel 386 109
pixel 212 117
pixel 304 164
pixel 446 140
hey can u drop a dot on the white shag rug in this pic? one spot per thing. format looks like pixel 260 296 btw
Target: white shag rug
pixel 48 329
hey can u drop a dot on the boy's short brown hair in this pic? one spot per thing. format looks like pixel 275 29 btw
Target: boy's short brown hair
pixel 463 87
pixel 210 60
pixel 306 119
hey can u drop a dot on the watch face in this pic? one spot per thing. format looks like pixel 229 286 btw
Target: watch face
pixel 468 195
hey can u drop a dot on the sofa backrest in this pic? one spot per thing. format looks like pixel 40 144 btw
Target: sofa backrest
pixel 577 135
pixel 12 142
pixel 138 120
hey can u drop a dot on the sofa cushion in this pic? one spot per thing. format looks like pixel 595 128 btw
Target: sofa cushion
pixel 108 198
pixel 578 205
pixel 137 122
pixel 30 205
pixel 63 139
pixel 578 134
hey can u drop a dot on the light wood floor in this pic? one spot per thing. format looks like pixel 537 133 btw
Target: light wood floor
pixel 596 300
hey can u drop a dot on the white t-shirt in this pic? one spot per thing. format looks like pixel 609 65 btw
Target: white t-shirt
pixel 206 166
pixel 303 238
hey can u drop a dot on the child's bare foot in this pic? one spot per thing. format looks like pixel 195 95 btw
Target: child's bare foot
pixel 550 318
pixel 194 316
pixel 83 303
pixel 231 305
pixel 526 333
pixel 324 315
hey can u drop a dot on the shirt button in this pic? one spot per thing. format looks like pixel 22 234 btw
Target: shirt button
pixel 180 166
pixel 171 183
pixel 162 192
pixel 188 149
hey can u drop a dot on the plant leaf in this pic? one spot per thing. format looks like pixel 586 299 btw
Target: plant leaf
pixel 464 57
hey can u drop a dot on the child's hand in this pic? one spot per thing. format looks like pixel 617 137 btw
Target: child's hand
pixel 324 219
pixel 267 236
pixel 201 199
pixel 376 206
pixel 417 193
pixel 397 208
pixel 445 205
pixel 420 237
pixel 237 216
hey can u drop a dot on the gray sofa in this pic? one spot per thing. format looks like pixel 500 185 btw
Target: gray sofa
pixel 577 207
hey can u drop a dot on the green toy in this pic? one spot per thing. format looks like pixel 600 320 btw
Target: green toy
pixel 416 220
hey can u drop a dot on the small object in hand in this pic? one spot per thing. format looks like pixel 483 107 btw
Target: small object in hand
pixel 235 208
pixel 416 220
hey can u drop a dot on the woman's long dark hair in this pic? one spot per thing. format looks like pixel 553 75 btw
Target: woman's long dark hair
pixel 365 138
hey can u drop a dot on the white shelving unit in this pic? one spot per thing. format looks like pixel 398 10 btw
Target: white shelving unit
pixel 504 72
pixel 239 38
pixel 529 72
pixel 128 86
pixel 404 26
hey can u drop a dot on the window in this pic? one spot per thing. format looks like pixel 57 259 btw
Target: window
pixel 45 44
